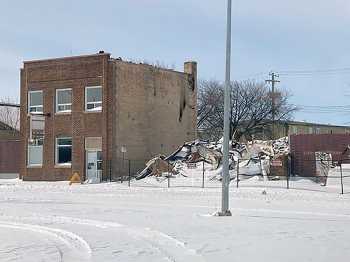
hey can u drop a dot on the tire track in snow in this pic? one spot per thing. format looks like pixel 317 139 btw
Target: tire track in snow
pixel 171 248
pixel 70 246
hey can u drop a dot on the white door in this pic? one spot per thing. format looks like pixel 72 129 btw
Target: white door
pixel 93 166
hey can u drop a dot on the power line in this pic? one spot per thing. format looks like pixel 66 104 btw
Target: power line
pixel 304 73
pixel 317 109
pixel 317 71
pixel 254 75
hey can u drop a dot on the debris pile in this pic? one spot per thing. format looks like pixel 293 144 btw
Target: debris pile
pixel 190 152
pixel 250 159
pixel 157 167
pixel 281 146
pixel 323 165
pixel 271 148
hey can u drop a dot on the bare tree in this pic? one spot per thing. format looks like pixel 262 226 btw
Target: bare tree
pixel 210 104
pixel 251 108
pixel 10 115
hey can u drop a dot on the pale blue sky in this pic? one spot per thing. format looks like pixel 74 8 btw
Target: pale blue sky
pixel 267 35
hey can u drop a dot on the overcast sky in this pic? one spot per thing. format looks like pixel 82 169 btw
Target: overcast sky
pixel 268 35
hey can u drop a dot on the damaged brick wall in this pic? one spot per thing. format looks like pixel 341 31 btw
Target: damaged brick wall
pixel 156 109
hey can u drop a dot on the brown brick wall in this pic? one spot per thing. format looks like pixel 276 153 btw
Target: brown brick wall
pixel 75 73
pixel 10 156
pixel 303 148
pixel 150 110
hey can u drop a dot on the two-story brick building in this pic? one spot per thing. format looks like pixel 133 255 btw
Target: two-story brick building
pixel 83 114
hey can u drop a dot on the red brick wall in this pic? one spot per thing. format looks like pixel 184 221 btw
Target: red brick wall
pixel 303 148
pixel 10 156
pixel 49 75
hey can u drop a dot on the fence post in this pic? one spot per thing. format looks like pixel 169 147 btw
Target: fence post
pixel 122 173
pixel 287 177
pixel 110 171
pixel 129 172
pixel 203 176
pixel 237 176
pixel 168 174
pixel 341 179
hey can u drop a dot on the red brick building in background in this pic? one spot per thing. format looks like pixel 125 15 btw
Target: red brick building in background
pixel 10 151
pixel 83 114
pixel 304 147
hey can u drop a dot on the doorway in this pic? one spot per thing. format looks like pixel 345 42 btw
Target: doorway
pixel 93 166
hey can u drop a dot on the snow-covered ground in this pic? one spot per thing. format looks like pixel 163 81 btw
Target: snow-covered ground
pixel 42 221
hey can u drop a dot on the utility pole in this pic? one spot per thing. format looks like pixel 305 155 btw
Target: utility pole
pixel 273 81
pixel 225 169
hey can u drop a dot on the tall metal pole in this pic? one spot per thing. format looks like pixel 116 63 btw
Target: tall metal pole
pixel 225 170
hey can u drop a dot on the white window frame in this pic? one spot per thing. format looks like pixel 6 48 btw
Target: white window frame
pixel 30 106
pixel 68 104
pixel 56 151
pixel 94 103
pixel 35 144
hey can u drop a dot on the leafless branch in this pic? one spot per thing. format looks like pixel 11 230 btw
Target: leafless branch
pixel 251 107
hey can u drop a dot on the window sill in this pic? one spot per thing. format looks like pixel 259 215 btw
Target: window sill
pixel 92 111
pixel 63 113
pixel 63 166
pixel 35 113
pixel 35 166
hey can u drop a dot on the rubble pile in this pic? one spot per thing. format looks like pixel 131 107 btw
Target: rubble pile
pixel 323 165
pixel 270 148
pixel 249 156
pixel 157 166
pixel 189 152
pixel 281 146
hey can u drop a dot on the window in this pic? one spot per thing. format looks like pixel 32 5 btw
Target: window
pixel 35 151
pixel 63 151
pixel 35 102
pixel 93 98
pixel 63 100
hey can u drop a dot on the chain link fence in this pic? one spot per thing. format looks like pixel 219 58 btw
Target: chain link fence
pixel 334 177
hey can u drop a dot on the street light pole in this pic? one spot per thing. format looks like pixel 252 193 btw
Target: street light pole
pixel 225 170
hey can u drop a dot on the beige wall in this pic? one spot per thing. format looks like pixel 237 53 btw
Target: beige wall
pixel 295 129
pixel 156 109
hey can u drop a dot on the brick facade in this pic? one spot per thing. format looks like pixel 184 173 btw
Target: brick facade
pixel 303 148
pixel 141 110
pixel 10 156
pixel 10 149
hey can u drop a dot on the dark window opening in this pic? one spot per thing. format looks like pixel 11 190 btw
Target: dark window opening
pixel 64 151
